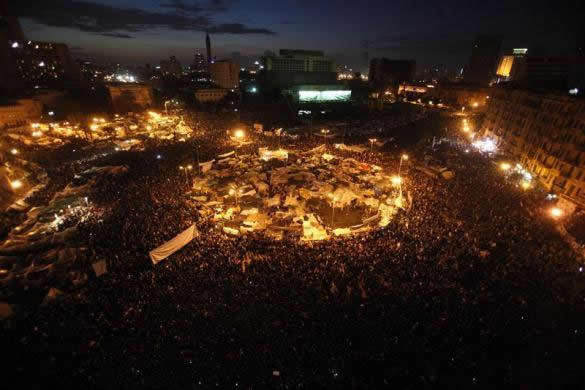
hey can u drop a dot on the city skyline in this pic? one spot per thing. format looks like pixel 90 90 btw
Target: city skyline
pixel 136 32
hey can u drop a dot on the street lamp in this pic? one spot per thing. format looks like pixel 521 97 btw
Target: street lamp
pixel 372 140
pixel 325 132
pixel 189 169
pixel 556 212
pixel 333 200
pixel 234 192
pixel 239 134
pixel 404 157
pixel 184 169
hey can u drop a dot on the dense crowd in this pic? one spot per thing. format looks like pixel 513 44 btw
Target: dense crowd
pixel 471 285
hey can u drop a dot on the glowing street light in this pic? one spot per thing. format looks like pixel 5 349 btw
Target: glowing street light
pixel 333 201
pixel 525 185
pixel 14 151
pixel 16 184
pixel 372 140
pixel 234 192
pixel 404 157
pixel 396 180
pixel 239 134
pixel 556 212
pixel 505 166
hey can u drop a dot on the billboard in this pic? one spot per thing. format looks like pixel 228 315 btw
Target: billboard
pixel 313 96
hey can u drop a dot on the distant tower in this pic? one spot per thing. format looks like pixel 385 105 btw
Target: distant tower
pixel 208 45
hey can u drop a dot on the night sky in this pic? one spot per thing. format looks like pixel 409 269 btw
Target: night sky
pixel 431 32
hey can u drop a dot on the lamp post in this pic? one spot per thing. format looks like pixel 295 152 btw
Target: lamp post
pixel 333 200
pixel 325 132
pixel 189 168
pixel 404 157
pixel 372 140
pixel 198 163
pixel 234 192
pixel 184 169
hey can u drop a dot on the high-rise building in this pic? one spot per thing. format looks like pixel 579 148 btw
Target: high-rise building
pixel 171 67
pixel 484 59
pixel 43 62
pixel 208 47
pixel 225 74
pixel 511 67
pixel 548 72
pixel 544 132
pixel 386 72
pixel 296 67
pixel 199 63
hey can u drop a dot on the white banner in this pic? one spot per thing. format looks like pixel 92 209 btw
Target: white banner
pixel 170 247
pixel 221 156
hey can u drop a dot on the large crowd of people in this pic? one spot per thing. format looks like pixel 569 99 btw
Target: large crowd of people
pixel 470 285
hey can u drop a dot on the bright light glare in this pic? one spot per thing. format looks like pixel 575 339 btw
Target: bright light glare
pixel 555 212
pixel 396 180
pixel 487 145
pixel 505 166
pixel 405 157
pixel 324 96
pixel 16 184
pixel 14 151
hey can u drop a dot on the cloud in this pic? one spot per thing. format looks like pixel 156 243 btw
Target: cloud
pixel 238 28
pixel 116 35
pixel 196 7
pixel 101 18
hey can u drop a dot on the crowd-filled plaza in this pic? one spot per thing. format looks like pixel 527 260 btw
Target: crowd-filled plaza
pixel 389 251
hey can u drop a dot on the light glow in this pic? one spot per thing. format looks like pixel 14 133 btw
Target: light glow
pixel 324 96
pixel 556 212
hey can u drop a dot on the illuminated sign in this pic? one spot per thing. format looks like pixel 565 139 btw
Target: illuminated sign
pixel 324 96
pixel 520 51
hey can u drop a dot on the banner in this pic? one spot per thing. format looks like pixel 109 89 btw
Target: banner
pixel 222 156
pixel 170 247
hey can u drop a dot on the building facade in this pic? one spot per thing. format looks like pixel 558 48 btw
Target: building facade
pixel 297 67
pixel 20 112
pixel 385 72
pixel 543 132
pixel 485 55
pixel 210 95
pixel 43 63
pixel 225 74
pixel 462 95
pixel 130 96
pixel 171 67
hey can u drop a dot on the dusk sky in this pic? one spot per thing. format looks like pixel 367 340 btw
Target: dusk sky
pixel 431 32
